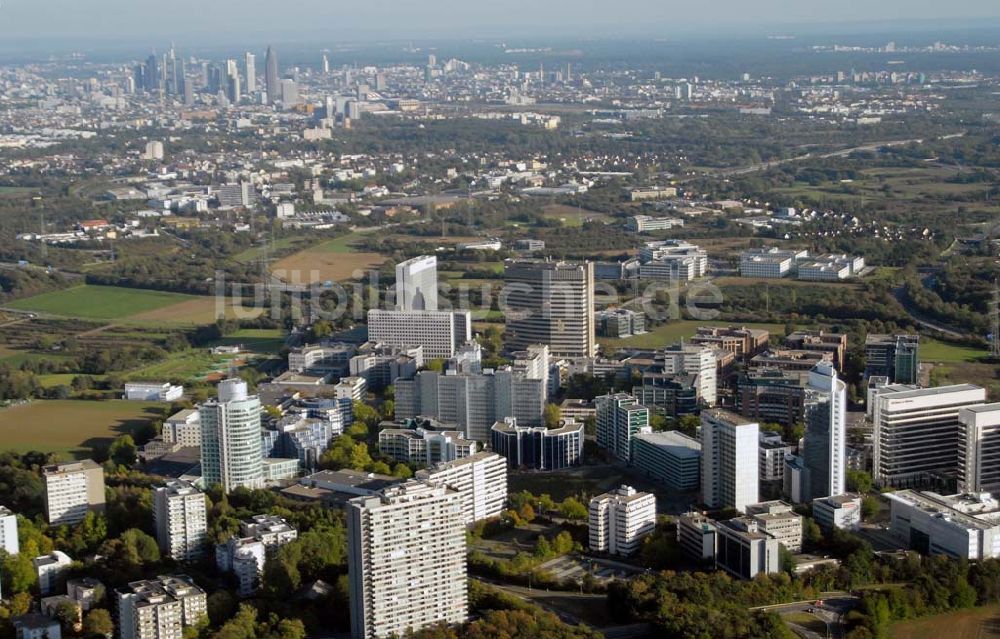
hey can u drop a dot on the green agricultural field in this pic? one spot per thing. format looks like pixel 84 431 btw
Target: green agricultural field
pixel 73 427
pixel 978 623
pixel 671 333
pixel 256 340
pixel 932 350
pixel 100 302
pixel 185 366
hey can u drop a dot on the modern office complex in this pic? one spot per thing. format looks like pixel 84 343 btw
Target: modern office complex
pixel 826 433
pixel 480 480
pixel 181 519
pixel 771 396
pixel 8 532
pixel 744 551
pixel 72 490
pixel 619 418
pixel 741 341
pixel 669 395
pixel 425 447
pixel 406 560
pixel 729 460
pixel 538 447
pixel 672 260
pixel 692 359
pixel 440 333
pixel 979 451
pixel 184 428
pixel 777 520
pixel 893 356
pixel 159 608
pixel 231 452
pixel 620 519
pixel 697 536
pixel 917 433
pixel 838 511
pixel 672 458
pixel 770 262
pixel 960 526
pixel 417 284
pixel 550 303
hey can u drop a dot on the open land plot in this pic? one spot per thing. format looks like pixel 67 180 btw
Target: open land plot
pixel 72 427
pixel 334 260
pixel 187 366
pixel 572 215
pixel 932 350
pixel 101 302
pixel 978 623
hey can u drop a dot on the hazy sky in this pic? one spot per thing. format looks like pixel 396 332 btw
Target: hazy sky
pixel 228 19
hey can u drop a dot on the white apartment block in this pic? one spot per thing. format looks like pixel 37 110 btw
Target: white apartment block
pixel 270 530
pixel 440 333
pixel 159 608
pixel 425 447
pixel 231 451
pixel 8 532
pixel 979 455
pixel 245 558
pixel 143 392
pixel 184 428
pixel 180 515
pixel 693 359
pixel 352 388
pixel 777 520
pixel 917 433
pixel 960 526
pixel 619 520
pixel 729 460
pixel 480 480
pixel 72 490
pixel 838 511
pixel 51 570
pixel 406 560
pixel 417 284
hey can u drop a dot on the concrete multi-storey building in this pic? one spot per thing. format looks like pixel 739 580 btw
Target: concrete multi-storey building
pixel 152 392
pixel 744 551
pixel 674 260
pixel 72 490
pixel 406 560
pixel 741 341
pixel 619 418
pixel 959 526
pixel 770 262
pixel 773 451
pixel 181 519
pixel 779 521
pixel 439 333
pixel 894 356
pixel 697 536
pixel 672 458
pixel 321 358
pixel 838 511
pixel 8 532
pixel 538 447
pixel 245 555
pixel 825 441
pixel 692 359
pixel 184 428
pixel 917 434
pixel 159 608
pixel 380 365
pixel 669 395
pixel 771 396
pixel 550 303
pixel 822 341
pixel 979 449
pixel 51 570
pixel 417 284
pixel 425 447
pixel 231 452
pixel 729 460
pixel 479 479
pixel 620 519
pixel 620 322
pixel 645 223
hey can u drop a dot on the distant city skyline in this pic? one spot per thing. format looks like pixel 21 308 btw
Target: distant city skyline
pixel 124 19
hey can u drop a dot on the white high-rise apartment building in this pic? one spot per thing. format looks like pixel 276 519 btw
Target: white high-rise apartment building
pixel 730 460
pixel 231 452
pixel 417 284
pixel 51 570
pixel 620 519
pixel 917 433
pixel 480 480
pixel 440 333
pixel 550 303
pixel 406 560
pixel 697 360
pixel 250 71
pixel 979 453
pixel 159 608
pixel 8 531
pixel 181 518
pixel 826 433
pixel 72 490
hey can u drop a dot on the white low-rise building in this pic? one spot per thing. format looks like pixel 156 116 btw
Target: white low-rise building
pixel 838 511
pixel 960 526
pixel 8 532
pixel 184 428
pixel 142 392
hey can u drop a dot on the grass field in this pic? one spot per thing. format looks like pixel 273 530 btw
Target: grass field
pixel 932 350
pixel 979 623
pixel 334 260
pixel 673 332
pixel 107 302
pixel 72 427
pixel 571 215
pixel 257 340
